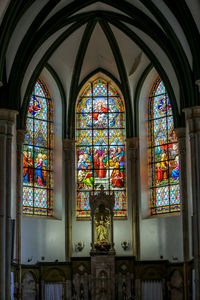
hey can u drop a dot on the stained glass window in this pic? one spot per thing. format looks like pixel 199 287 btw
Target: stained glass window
pixel 38 154
pixel 100 146
pixel 163 153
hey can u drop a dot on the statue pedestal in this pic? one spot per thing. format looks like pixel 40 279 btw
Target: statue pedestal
pixel 103 277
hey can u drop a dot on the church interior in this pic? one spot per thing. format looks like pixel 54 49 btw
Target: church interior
pixel 99 149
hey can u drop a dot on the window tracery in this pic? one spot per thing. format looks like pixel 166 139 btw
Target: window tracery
pixel 100 146
pixel 163 153
pixel 38 182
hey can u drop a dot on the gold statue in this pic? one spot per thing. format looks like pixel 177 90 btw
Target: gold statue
pixel 102 224
pixel 102 228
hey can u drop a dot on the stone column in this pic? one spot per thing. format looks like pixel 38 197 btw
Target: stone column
pixel 3 131
pixel 7 120
pixel 181 136
pixel 69 147
pixel 132 151
pixel 19 191
pixel 192 115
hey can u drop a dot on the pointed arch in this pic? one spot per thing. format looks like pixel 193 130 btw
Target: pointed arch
pixel 38 180
pixel 100 144
pixel 163 152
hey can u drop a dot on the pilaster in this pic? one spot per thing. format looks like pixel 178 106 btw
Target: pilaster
pixel 192 116
pixel 69 148
pixel 181 136
pixel 7 122
pixel 3 132
pixel 132 154
pixel 19 191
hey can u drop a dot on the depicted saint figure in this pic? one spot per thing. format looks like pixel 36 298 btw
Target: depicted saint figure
pixel 118 179
pixel 85 179
pixel 34 106
pixel 163 105
pixel 25 167
pixel 40 171
pixel 102 229
pixel 30 167
pixel 159 172
pixel 164 166
pixel 175 171
pixel 102 171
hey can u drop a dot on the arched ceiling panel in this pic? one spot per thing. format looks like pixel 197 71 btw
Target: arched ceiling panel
pixel 144 9
pixel 100 6
pixel 64 58
pixel 57 8
pixel 98 55
pixel 163 60
pixel 128 48
pixel 194 7
pixel 170 18
pixel 37 57
pixel 20 32
pixel 3 6
pixel 135 60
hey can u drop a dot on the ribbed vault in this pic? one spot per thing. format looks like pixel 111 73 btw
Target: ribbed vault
pixel 121 38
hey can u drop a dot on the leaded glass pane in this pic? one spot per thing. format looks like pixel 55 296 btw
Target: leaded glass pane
pixel 163 153
pixel 38 154
pixel 100 140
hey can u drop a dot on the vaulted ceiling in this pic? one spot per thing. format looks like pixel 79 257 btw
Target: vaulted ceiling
pixel 123 39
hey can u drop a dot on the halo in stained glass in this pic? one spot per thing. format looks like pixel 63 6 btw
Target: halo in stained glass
pixel 100 140
pixel 163 153
pixel 38 180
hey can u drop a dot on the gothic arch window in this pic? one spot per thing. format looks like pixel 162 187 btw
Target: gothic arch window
pixel 163 153
pixel 100 146
pixel 38 154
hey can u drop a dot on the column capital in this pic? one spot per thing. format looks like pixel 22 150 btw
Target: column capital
pixel 192 112
pixel 132 143
pixel 192 116
pixel 68 144
pixel 8 115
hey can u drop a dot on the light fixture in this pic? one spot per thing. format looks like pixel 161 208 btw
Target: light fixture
pixel 79 246
pixel 125 245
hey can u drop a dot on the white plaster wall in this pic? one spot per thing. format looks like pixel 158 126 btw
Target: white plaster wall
pixel 160 236
pixel 41 236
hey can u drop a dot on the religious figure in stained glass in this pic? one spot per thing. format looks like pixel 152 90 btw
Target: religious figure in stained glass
pixel 163 153
pixel 38 154
pixel 100 145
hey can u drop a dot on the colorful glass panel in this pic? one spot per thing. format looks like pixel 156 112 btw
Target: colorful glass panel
pixel 38 154
pixel 163 153
pixel 100 150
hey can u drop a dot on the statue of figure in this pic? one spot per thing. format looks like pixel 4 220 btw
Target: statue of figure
pixel 102 229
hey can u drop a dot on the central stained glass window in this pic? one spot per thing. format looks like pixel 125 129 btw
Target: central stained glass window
pixel 100 146
pixel 163 153
pixel 38 154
